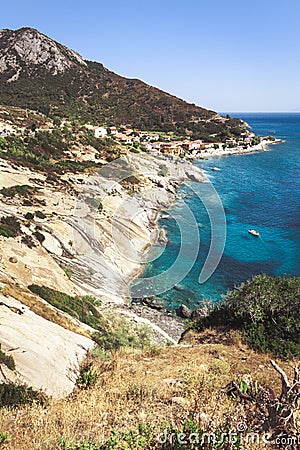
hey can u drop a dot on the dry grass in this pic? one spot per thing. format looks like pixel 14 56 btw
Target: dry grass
pixel 149 387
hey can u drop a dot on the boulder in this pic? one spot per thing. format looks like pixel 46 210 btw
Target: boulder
pixel 184 312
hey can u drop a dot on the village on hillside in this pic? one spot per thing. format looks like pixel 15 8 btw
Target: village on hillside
pixel 15 121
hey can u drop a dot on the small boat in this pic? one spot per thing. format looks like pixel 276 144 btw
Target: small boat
pixel 215 168
pixel 253 232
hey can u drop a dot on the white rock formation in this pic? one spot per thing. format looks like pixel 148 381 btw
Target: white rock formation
pixel 46 355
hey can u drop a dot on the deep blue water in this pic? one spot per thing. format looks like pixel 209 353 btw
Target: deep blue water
pixel 260 191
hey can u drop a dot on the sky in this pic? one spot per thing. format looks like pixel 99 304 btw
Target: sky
pixel 223 55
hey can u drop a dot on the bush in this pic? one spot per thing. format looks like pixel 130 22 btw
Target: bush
pixel 22 190
pixel 40 237
pixel 40 215
pixel 13 395
pixel 87 377
pixel 3 437
pixel 163 170
pixel 27 240
pixel 82 308
pixel 122 334
pixel 9 227
pixel 8 360
pixel 266 310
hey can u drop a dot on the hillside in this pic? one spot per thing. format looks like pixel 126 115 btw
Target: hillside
pixel 38 73
pixel 145 399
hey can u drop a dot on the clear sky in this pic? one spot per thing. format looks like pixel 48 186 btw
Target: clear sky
pixel 226 55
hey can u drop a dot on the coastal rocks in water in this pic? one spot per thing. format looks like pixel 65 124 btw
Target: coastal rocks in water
pixel 184 312
pixel 152 303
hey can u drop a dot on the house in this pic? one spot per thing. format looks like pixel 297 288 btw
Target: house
pixel 113 130
pixel 100 132
pixel 187 146
pixel 153 137
pixel 156 146
pixel 172 149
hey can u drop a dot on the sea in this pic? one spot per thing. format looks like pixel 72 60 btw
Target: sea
pixel 258 191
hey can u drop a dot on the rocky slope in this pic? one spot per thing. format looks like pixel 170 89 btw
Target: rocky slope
pixel 85 234
pixel 38 73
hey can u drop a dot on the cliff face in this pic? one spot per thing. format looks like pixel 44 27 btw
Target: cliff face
pixel 30 51
pixel 38 73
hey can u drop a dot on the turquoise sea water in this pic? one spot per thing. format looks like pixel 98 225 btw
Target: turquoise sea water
pixel 261 191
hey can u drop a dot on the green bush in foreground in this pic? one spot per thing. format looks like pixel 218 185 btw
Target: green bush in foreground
pixel 267 312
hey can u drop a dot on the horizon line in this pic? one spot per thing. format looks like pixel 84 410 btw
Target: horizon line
pixel 258 112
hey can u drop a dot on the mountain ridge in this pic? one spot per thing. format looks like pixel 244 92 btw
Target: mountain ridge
pixel 39 73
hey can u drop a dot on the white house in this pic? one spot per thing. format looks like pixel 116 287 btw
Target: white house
pixel 100 132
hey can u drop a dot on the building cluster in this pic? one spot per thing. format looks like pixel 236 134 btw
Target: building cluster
pixel 150 142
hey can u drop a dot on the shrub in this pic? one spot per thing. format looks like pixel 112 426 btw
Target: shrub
pixel 22 190
pixel 87 377
pixel 29 216
pixel 82 308
pixel 40 215
pixel 13 395
pixel 9 227
pixel 27 240
pixel 163 170
pixel 3 437
pixel 8 360
pixel 87 445
pixel 122 334
pixel 266 310
pixel 40 237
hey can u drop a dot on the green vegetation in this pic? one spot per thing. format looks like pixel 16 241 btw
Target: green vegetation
pixel 45 151
pixel 110 334
pixel 68 272
pixel 3 437
pixel 40 215
pixel 8 360
pixel 267 312
pixel 189 435
pixel 87 377
pixel 255 140
pixel 163 170
pixel 82 308
pixel 86 445
pixel 94 202
pixel 21 190
pixel 29 216
pixel 121 334
pixel 9 227
pixel 13 395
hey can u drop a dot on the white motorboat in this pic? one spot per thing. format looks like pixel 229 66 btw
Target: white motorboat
pixel 253 232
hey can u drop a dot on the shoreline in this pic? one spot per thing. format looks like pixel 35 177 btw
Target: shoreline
pixel 144 310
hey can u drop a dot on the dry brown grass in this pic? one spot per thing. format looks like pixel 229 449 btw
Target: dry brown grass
pixel 140 387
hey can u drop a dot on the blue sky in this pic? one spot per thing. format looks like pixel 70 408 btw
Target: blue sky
pixel 223 55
